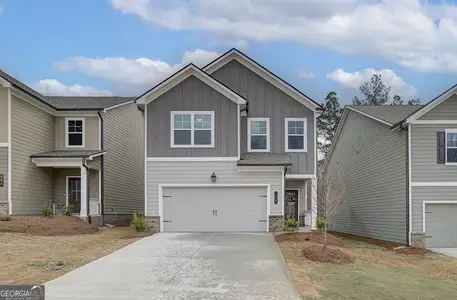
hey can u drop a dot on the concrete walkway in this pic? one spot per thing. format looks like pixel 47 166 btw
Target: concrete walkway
pixel 446 251
pixel 184 266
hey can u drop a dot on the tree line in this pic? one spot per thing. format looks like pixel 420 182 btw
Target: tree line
pixel 373 92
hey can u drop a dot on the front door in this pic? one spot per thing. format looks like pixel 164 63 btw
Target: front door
pixel 74 193
pixel 291 204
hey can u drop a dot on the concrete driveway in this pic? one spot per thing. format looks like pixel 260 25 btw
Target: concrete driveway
pixel 184 266
pixel 446 251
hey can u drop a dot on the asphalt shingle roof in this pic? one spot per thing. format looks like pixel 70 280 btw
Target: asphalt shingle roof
pixel 389 113
pixel 67 154
pixel 265 159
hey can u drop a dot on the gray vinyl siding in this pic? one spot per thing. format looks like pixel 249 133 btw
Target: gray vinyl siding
pixel 267 101
pixel 4 171
pixel 192 95
pixel 91 133
pixel 60 183
pixel 447 110
pixel 94 163
pixel 4 115
pixel 424 155
pixel 369 161
pixel 421 194
pixel 124 160
pixel 199 172
pixel 299 184
pixel 32 132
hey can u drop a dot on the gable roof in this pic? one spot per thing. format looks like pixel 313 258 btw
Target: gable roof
pixel 63 103
pixel 234 54
pixel 387 114
pixel 183 74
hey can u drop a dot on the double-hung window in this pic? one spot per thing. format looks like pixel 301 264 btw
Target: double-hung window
pixel 258 134
pixel 451 146
pixel 74 132
pixel 191 129
pixel 295 135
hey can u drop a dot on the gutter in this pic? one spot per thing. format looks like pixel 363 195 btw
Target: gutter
pixel 89 219
pixel 102 167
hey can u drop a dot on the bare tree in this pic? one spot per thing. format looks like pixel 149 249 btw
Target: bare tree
pixel 330 199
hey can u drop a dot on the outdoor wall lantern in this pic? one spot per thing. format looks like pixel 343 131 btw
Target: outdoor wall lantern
pixel 1 180
pixel 213 177
pixel 276 197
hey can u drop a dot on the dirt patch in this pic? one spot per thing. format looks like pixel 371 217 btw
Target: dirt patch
pixel 48 226
pixel 121 223
pixel 135 235
pixel 412 251
pixel 312 237
pixel 376 242
pixel 329 255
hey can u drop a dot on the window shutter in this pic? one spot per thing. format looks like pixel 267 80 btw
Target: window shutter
pixel 441 147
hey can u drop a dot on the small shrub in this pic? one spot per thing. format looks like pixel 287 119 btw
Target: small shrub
pixel 291 224
pixel 139 222
pixel 322 223
pixel 47 210
pixel 69 209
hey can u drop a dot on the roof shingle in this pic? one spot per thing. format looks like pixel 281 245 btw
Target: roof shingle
pixel 388 113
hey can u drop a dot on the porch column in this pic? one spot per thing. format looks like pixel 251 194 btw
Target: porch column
pixel 83 192
pixel 313 202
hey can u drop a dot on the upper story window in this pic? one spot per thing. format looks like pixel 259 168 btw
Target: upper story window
pixel 192 129
pixel 74 132
pixel 258 134
pixel 295 135
pixel 451 146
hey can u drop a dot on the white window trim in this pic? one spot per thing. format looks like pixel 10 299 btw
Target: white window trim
pixel 268 134
pixel 192 113
pixel 83 133
pixel 286 135
pixel 445 154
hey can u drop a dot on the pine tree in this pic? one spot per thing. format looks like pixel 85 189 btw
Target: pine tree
pixel 327 122
pixel 374 92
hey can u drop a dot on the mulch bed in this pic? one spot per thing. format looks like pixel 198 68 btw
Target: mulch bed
pixel 313 237
pixel 388 245
pixel 412 251
pixel 121 223
pixel 49 226
pixel 330 255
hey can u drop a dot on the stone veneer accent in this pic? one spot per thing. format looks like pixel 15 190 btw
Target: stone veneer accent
pixel 275 223
pixel 4 209
pixel 418 239
pixel 153 223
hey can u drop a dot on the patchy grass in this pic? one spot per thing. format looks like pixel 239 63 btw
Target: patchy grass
pixel 25 258
pixel 376 273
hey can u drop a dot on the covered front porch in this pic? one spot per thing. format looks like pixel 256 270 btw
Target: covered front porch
pixel 299 196
pixel 77 181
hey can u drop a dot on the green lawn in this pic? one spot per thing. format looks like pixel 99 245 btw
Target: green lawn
pixel 377 273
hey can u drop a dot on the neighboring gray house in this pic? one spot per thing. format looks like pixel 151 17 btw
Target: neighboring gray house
pixel 398 165
pixel 87 151
pixel 229 147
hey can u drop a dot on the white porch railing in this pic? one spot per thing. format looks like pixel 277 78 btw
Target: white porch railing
pixel 94 206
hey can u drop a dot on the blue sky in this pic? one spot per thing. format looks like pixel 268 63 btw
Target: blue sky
pixel 123 47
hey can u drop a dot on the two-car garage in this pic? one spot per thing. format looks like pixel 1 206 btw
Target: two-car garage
pixel 215 208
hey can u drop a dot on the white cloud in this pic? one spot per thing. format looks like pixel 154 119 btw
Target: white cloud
pixel 389 78
pixel 412 33
pixel 305 74
pixel 132 75
pixel 54 87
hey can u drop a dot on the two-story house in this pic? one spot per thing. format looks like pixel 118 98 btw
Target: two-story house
pixel 84 151
pixel 398 165
pixel 229 147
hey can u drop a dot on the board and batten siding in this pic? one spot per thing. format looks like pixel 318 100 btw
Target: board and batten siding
pixel 192 95
pixel 4 92
pixel 4 171
pixel 424 165
pixel 124 160
pixel 369 161
pixel 447 110
pixel 428 193
pixel 32 131
pixel 267 101
pixel 91 133
pixel 199 172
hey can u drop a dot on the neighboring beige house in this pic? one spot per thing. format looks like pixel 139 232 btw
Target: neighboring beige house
pixel 398 165
pixel 87 151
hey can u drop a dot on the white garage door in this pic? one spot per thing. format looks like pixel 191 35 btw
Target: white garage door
pixel 215 209
pixel 441 225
